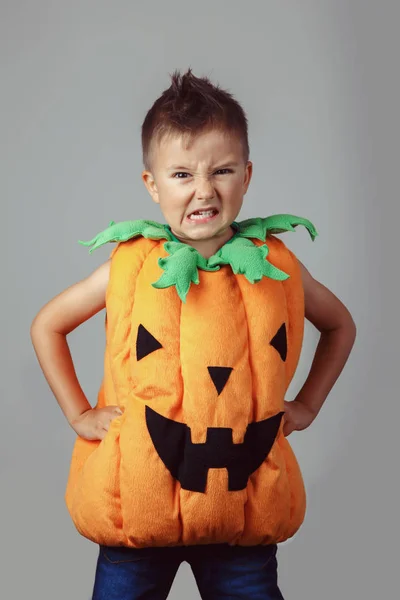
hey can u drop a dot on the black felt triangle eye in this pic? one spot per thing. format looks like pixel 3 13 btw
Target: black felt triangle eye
pixel 145 343
pixel 279 342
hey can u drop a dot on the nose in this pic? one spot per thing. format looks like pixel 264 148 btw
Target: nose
pixel 205 190
pixel 219 376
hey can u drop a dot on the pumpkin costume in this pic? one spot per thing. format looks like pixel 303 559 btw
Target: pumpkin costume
pixel 201 371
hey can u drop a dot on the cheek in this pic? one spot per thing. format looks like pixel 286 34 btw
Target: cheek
pixel 173 203
pixel 233 186
pixel 174 192
pixel 233 193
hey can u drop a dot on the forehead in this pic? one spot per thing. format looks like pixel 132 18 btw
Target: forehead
pixel 207 147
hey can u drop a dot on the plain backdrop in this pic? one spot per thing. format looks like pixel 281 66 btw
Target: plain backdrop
pixel 319 82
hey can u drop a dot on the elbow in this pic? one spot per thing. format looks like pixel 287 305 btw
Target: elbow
pixel 351 326
pixel 37 327
pixel 347 324
pixel 34 328
pixel 347 331
pixel 354 331
pixel 345 328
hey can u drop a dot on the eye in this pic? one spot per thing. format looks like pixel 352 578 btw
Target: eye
pixel 279 341
pixel 180 173
pixel 227 170
pixel 145 343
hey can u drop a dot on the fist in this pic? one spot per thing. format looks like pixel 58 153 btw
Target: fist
pixel 297 417
pixel 94 423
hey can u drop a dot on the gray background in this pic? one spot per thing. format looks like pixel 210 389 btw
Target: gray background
pixel 319 82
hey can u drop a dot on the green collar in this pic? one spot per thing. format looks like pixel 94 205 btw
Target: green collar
pixel 181 266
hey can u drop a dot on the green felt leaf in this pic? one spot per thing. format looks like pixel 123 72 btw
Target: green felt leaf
pixel 180 268
pixel 248 259
pixel 121 232
pixel 259 227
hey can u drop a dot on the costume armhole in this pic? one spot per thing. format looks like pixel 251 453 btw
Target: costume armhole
pixel 113 251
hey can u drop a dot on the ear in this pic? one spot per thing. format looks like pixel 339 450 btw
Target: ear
pixel 150 183
pixel 247 176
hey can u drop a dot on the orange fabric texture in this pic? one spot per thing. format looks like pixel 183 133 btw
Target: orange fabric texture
pixel 202 385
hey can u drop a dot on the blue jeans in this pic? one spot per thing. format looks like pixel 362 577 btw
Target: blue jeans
pixel 220 571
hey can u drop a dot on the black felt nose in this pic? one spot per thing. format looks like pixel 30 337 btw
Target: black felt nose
pixel 219 376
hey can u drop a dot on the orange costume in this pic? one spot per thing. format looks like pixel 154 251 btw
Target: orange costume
pixel 201 371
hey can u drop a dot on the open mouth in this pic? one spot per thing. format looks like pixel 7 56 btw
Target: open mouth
pixel 202 216
pixel 189 463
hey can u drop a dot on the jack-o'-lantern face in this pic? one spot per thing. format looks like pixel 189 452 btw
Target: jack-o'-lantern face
pixel 200 353
pixel 189 462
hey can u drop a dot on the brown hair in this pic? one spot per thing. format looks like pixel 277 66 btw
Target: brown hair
pixel 192 105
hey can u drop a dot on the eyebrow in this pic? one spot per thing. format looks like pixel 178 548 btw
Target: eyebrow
pixel 224 166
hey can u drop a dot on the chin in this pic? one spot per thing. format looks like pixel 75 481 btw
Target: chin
pixel 203 235
pixel 196 236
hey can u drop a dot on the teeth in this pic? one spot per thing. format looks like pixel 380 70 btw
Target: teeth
pixel 202 214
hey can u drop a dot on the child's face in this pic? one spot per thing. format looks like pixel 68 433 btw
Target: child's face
pixel 185 179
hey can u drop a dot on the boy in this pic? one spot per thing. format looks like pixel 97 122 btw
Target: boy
pixel 204 329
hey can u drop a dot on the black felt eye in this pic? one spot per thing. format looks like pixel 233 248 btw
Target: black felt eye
pixel 279 341
pixel 145 343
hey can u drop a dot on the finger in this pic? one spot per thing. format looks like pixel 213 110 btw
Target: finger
pixel 101 426
pixel 112 417
pixel 287 429
pixel 101 434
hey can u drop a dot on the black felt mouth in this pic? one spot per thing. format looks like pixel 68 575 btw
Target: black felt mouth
pixel 189 463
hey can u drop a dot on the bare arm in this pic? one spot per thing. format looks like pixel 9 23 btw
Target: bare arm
pixel 49 331
pixel 338 332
